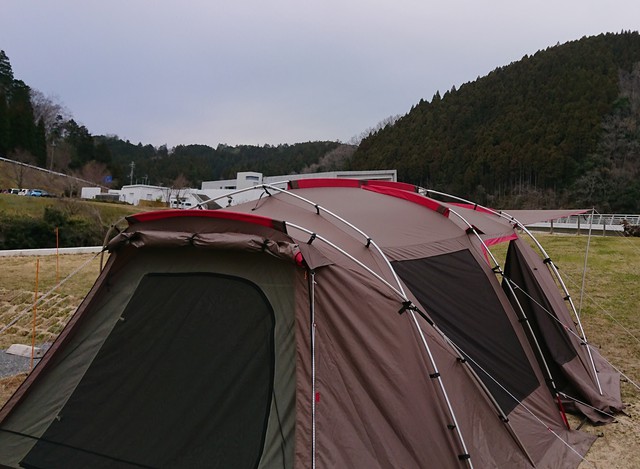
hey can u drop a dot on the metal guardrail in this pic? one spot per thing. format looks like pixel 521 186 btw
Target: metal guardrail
pixel 600 219
pixel 605 223
pixel 50 251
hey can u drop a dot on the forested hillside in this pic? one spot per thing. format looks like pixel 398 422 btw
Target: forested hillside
pixel 556 128
pixel 21 133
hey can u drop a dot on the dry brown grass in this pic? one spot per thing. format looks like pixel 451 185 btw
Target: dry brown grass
pixel 17 294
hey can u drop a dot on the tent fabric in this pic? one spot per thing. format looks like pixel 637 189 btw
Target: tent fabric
pixel 361 326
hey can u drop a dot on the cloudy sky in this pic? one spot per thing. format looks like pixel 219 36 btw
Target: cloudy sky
pixel 274 71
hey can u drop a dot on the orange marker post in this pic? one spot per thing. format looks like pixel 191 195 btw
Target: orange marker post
pixel 57 257
pixel 35 301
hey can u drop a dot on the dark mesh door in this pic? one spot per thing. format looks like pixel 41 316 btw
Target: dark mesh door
pixel 461 300
pixel 183 380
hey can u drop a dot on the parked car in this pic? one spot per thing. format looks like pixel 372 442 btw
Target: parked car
pixel 38 193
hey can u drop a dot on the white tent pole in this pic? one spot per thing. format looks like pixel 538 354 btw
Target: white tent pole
pixel 503 417
pixel 368 240
pixel 547 260
pixel 586 257
pixel 436 375
pixel 312 311
pixel 314 236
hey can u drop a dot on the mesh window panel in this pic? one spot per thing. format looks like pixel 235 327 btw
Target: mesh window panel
pixel 184 380
pixel 460 299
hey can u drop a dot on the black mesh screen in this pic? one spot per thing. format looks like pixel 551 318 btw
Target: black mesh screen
pixel 183 380
pixel 458 296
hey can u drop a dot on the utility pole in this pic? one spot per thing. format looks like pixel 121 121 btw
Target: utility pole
pixel 133 165
pixel 53 150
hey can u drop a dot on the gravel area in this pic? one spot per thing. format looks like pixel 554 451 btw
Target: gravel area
pixel 11 365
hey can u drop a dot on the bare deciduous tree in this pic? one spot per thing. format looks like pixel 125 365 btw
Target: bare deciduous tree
pixel 95 172
pixel 52 112
pixel 177 190
pixel 19 170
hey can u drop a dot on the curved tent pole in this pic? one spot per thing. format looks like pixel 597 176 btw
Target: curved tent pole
pixel 523 316
pixel 367 238
pixel 547 260
pixel 313 236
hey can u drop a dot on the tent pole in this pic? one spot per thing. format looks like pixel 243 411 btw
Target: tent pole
pixel 398 291
pixel 480 383
pixel 368 240
pixel 586 257
pixel 436 375
pixel 312 331
pixel 318 208
pixel 547 261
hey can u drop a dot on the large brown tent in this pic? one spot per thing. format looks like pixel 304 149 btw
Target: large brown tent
pixel 336 324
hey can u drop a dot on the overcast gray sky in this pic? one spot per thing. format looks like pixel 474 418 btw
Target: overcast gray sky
pixel 274 71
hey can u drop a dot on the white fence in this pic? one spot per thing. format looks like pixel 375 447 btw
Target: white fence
pixel 599 223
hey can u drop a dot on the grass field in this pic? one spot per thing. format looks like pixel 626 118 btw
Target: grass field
pixel 610 312
pixel 11 204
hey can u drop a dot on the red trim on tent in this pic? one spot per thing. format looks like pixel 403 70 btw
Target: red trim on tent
pixel 322 182
pixel 400 190
pixel 500 239
pixel 395 185
pixel 345 182
pixel 411 197
pixel 477 208
pixel 494 241
pixel 218 214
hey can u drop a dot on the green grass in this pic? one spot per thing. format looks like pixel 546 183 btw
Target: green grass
pixel 12 204
pixel 33 207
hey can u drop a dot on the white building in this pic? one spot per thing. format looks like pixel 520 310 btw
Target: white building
pixel 218 190
pixel 214 194
pixel 135 193
pixel 247 179
pixel 90 192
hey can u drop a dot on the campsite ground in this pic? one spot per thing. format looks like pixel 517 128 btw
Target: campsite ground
pixel 609 312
